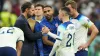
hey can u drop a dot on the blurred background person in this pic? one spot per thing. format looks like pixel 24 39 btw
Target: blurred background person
pixel 7 15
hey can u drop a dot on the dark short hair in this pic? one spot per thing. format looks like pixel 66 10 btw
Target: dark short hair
pixel 47 6
pixel 72 3
pixel 39 5
pixel 25 5
pixel 66 9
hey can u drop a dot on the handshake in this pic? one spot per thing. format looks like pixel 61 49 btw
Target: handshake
pixel 45 30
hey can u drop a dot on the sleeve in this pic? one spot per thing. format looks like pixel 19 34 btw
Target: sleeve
pixel 39 42
pixel 29 35
pixel 21 35
pixel 86 22
pixel 40 47
pixel 59 32
pixel 53 35
pixel 55 47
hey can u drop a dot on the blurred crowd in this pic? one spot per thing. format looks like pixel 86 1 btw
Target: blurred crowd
pixel 10 10
pixel 90 8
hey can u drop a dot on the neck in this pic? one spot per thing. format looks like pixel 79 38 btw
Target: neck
pixel 50 19
pixel 75 14
pixel 25 15
pixel 65 19
pixel 38 17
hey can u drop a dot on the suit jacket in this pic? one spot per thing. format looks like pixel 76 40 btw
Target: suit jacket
pixel 30 37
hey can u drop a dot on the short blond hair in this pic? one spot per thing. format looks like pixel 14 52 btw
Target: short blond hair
pixel 66 10
pixel 72 3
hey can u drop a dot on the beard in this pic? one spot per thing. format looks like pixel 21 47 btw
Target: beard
pixel 71 15
pixel 48 17
pixel 33 15
pixel 29 16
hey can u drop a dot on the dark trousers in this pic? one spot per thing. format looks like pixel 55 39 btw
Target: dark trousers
pixel 28 49
pixel 81 53
pixel 7 51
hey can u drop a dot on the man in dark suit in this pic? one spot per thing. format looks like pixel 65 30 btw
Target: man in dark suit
pixel 30 37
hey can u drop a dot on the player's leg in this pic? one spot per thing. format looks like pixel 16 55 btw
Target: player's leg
pixel 81 53
pixel 1 51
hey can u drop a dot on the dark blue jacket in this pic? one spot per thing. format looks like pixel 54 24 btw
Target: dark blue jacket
pixel 30 37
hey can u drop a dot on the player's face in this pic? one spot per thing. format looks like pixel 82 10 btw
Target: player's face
pixel 60 15
pixel 48 12
pixel 71 10
pixel 38 11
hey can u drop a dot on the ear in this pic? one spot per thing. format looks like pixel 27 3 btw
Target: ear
pixel 63 13
pixel 26 10
pixel 53 10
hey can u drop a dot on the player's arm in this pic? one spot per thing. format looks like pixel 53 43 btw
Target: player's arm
pixel 55 47
pixel 28 32
pixel 52 35
pixel 46 41
pixel 94 33
pixel 94 30
pixel 19 47
pixel 19 41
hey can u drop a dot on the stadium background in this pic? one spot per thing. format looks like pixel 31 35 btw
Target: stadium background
pixel 10 10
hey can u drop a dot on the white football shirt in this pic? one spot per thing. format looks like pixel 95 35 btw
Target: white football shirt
pixel 9 36
pixel 82 23
pixel 66 34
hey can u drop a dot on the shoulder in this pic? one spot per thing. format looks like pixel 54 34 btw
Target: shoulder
pixel 20 20
pixel 18 30
pixel 56 18
pixel 67 23
pixel 71 28
pixel 84 18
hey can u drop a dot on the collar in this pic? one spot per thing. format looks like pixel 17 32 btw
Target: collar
pixel 78 17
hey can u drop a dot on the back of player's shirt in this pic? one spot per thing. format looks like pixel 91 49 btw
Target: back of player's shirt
pixel 66 34
pixel 9 36
pixel 82 23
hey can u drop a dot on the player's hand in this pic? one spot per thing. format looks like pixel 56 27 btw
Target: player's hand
pixel 45 30
pixel 83 46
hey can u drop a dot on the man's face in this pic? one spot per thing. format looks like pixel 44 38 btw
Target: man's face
pixel 71 10
pixel 32 10
pixel 48 12
pixel 38 11
pixel 29 13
